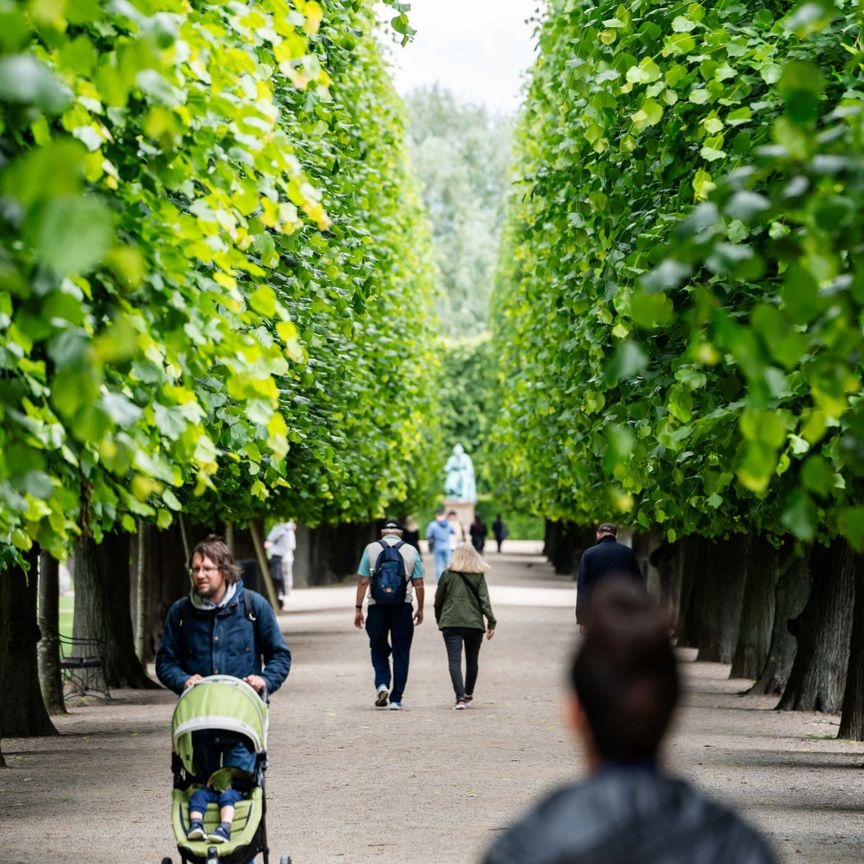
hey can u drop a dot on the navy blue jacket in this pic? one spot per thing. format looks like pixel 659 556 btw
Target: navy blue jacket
pixel 607 557
pixel 629 816
pixel 222 642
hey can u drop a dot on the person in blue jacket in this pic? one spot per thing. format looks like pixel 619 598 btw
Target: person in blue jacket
pixel 438 533
pixel 221 628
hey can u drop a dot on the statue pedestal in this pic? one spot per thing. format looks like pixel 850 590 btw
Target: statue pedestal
pixel 464 516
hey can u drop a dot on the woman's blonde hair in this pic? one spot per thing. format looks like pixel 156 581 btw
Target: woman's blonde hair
pixel 466 559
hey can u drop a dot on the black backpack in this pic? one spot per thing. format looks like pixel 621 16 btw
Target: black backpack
pixel 388 578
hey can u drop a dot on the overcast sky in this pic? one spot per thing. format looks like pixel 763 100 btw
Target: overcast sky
pixel 476 48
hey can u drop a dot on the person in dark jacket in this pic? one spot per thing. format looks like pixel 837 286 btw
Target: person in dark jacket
pixel 623 690
pixel 606 558
pixel 477 531
pixel 461 603
pixel 220 628
pixel 499 529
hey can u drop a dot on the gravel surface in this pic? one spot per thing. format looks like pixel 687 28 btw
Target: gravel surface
pixel 349 782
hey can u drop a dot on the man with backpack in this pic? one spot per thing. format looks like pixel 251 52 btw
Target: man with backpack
pixel 392 571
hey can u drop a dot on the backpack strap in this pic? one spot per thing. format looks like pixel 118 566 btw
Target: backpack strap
pixel 249 604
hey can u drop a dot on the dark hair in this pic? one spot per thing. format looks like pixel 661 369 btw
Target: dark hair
pixel 625 674
pixel 608 528
pixel 214 548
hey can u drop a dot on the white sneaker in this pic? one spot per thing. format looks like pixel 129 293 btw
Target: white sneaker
pixel 395 706
pixel 460 705
pixel 381 700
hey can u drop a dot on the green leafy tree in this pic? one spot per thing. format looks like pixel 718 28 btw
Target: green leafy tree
pixel 461 153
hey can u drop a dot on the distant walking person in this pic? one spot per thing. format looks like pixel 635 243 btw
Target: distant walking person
pixel 393 571
pixel 478 533
pixel 461 603
pixel 438 533
pixel 411 534
pixel 606 558
pixel 623 690
pixel 499 529
pixel 280 544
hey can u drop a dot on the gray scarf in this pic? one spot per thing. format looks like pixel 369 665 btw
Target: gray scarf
pixel 200 602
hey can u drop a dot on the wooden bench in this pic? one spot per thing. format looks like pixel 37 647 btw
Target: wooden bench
pixel 82 663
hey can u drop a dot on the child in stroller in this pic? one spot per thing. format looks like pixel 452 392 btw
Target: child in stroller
pixel 217 791
pixel 219 759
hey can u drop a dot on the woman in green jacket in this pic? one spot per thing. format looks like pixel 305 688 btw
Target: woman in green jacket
pixel 461 602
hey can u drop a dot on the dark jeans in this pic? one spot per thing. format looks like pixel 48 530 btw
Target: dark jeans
pixel 200 798
pixel 391 631
pixel 276 574
pixel 453 639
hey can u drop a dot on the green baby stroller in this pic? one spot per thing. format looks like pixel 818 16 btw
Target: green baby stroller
pixel 220 703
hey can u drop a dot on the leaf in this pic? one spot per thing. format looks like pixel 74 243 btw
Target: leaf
pixel 801 516
pixel 72 234
pixel 653 112
pixel 629 360
pixel 851 523
pixel 808 18
pixel 744 205
pixel 800 294
pixel 682 24
pixel 817 475
pixel 23 79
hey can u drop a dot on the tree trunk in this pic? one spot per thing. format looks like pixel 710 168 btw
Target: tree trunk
pixel 666 560
pixel 757 613
pixel 567 542
pixel 256 531
pixel 689 553
pixel 102 607
pixel 852 721
pixel 143 547
pixel 718 594
pixel 48 651
pixel 6 577
pixel 167 578
pixel 823 631
pixel 22 710
pixel 335 551
pixel 793 588
pixel 550 528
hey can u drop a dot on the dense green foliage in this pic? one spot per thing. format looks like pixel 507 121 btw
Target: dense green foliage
pixel 468 393
pixel 461 152
pixel 211 257
pixel 683 309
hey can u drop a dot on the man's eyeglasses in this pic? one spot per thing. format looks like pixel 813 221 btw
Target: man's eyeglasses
pixel 194 570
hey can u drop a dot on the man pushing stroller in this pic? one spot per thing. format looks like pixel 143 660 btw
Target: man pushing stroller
pixel 220 628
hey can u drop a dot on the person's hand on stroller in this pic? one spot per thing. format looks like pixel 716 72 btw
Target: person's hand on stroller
pixel 193 679
pixel 256 682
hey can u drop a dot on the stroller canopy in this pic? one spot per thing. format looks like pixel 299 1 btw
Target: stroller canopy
pixel 218 702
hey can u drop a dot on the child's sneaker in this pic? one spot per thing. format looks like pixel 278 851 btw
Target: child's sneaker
pixel 222 834
pixel 196 830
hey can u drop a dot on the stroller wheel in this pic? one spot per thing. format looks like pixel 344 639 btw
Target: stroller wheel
pixel 285 859
pixel 166 860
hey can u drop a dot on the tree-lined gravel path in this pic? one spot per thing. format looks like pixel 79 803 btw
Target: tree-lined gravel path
pixel 351 783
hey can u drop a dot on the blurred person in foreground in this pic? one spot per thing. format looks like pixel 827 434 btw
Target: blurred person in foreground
pixel 622 693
